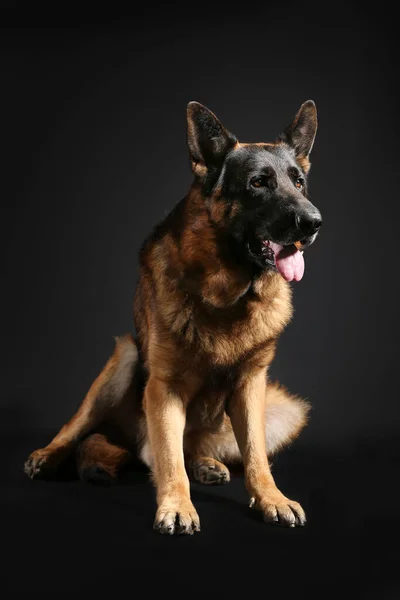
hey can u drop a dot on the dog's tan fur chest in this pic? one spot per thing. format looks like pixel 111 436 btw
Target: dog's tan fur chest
pixel 184 330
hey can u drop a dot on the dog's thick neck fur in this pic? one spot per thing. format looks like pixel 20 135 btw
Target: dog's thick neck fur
pixel 223 280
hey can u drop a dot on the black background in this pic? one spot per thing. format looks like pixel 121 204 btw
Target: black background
pixel 93 135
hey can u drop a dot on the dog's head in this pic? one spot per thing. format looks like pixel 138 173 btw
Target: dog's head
pixel 257 193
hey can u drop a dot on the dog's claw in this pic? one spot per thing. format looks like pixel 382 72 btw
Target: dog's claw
pixel 185 522
pixel 279 510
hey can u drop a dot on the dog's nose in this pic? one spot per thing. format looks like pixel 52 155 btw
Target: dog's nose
pixel 309 223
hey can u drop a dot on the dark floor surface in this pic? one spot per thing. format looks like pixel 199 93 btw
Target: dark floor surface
pixel 66 538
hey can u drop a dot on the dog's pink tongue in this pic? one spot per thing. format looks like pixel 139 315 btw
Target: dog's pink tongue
pixel 289 261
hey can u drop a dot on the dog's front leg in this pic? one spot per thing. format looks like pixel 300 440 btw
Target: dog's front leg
pixel 166 416
pixel 247 413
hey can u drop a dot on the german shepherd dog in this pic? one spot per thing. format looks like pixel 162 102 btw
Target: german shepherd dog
pixel 191 392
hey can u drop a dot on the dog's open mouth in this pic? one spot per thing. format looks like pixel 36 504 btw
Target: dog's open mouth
pixel 288 260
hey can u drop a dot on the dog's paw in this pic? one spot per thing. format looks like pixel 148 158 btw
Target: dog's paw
pixel 178 518
pixel 41 463
pixel 210 471
pixel 279 510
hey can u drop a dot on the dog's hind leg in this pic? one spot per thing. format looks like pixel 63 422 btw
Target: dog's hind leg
pixel 206 452
pixel 99 459
pixel 105 394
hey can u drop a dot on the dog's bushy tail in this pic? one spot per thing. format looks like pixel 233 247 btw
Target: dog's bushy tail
pixel 286 415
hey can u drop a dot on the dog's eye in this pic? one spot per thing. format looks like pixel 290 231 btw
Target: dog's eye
pixel 258 182
pixel 299 183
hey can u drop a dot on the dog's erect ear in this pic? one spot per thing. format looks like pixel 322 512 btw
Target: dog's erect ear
pixel 301 133
pixel 207 138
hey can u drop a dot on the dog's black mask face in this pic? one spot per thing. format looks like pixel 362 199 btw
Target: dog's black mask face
pixel 259 189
